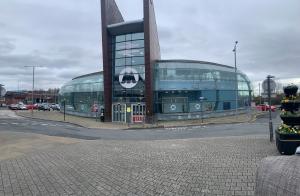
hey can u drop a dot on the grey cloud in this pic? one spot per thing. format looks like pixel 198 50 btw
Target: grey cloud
pixel 6 46
pixel 64 36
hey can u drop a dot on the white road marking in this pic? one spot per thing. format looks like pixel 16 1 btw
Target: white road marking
pixel 35 123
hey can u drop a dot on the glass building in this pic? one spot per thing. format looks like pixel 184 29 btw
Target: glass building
pixel 179 87
pixel 83 95
pixel 186 89
pixel 137 86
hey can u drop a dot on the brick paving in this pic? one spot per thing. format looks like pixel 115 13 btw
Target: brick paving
pixel 209 166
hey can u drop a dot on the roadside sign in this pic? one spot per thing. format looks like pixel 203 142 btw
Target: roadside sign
pixel 272 85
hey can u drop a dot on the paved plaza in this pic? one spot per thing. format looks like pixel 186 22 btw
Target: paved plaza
pixel 207 166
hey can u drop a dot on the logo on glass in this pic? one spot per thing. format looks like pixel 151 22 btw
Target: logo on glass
pixel 128 77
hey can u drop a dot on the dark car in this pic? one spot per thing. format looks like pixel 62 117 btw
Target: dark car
pixel 44 107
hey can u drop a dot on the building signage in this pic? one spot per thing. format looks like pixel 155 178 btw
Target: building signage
pixel 197 106
pixel 138 118
pixel 173 107
pixel 128 77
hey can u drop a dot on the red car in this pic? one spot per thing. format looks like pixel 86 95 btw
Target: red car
pixel 264 107
pixel 32 106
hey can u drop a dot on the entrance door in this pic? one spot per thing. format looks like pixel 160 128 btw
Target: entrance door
pixel 119 112
pixel 138 113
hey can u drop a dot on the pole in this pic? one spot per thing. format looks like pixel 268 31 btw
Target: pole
pixel 64 110
pixel 201 111
pixel 32 90
pixel 236 79
pixel 33 68
pixel 270 112
pixel 259 94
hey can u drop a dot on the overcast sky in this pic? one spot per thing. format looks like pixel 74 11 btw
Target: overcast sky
pixel 64 36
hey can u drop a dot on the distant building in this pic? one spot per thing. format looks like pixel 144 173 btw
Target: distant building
pixel 2 93
pixel 39 96
pixel 137 86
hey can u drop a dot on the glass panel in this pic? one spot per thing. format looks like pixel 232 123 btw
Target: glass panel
pixel 121 46
pixel 120 54
pixel 128 45
pixel 137 52
pixel 118 70
pixel 137 44
pixel 128 61
pixel 120 62
pixel 138 60
pixel 120 38
pixel 136 36
pixel 128 37
pixel 139 69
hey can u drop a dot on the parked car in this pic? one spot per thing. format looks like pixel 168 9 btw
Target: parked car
pixel 22 107
pixel 32 106
pixel 265 107
pixel 13 106
pixel 44 107
pixel 55 106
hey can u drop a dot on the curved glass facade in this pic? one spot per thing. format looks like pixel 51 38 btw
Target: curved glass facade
pixel 180 84
pixel 83 95
pixel 183 90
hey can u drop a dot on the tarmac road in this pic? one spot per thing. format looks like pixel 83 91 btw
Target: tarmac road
pixel 10 122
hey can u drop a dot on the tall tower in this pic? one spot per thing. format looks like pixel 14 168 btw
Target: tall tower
pixel 130 50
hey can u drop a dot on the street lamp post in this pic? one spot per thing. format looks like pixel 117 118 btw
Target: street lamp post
pixel 236 78
pixel 270 112
pixel 33 69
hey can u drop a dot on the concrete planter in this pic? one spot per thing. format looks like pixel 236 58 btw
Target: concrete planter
pixel 290 90
pixel 290 120
pixel 290 106
pixel 287 143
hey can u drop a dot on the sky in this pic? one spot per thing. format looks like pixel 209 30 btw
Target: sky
pixel 64 36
